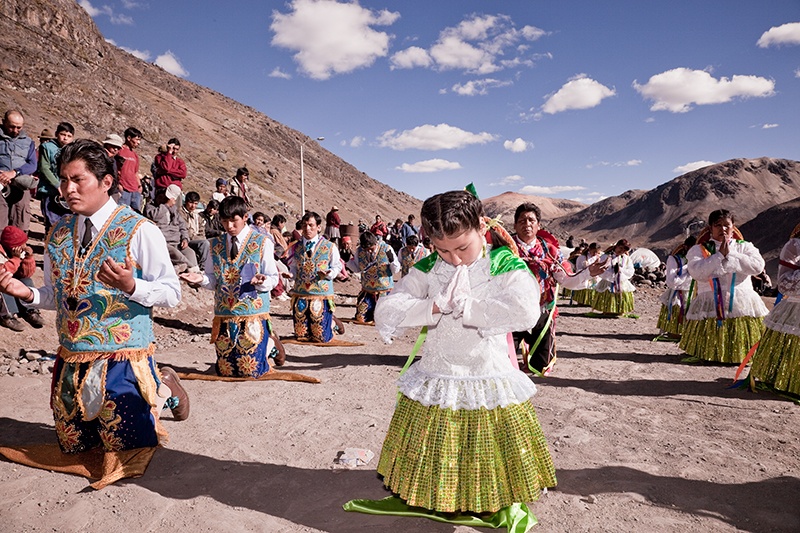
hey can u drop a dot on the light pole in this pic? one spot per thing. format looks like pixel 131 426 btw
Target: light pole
pixel 303 177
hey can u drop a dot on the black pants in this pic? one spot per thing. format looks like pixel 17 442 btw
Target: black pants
pixel 546 351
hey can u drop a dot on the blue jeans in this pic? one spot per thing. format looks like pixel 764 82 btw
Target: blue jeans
pixel 133 199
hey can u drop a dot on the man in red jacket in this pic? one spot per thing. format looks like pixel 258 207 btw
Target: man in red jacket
pixel 168 167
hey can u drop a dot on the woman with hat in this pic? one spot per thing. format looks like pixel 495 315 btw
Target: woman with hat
pixel 614 291
pixel 332 223
pixel 726 316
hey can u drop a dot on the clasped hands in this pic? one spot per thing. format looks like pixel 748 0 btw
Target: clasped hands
pixel 453 297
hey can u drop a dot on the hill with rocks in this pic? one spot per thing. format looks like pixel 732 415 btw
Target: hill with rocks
pixel 57 66
pixel 503 206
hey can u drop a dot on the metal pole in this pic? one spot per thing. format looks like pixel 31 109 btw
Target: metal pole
pixel 302 183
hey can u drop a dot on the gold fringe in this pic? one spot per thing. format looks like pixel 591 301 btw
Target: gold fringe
pixel 132 354
pixel 216 324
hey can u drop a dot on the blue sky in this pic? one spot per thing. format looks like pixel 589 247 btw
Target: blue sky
pixel 572 99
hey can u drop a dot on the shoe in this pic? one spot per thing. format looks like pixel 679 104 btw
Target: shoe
pixel 338 325
pixel 171 380
pixel 32 317
pixel 280 356
pixel 284 297
pixel 11 323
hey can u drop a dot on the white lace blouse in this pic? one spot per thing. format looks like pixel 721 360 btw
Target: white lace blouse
pixel 465 362
pixel 785 317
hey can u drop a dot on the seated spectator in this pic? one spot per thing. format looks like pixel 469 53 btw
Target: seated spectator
pixel 222 190
pixel 16 257
pixel 164 212
pixel 213 224
pixel 379 228
pixel 260 223
pixel 196 226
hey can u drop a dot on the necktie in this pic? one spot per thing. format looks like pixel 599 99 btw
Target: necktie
pixel 309 248
pixel 234 248
pixel 86 240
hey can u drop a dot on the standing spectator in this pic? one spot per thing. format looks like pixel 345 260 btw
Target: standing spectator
pixel 408 229
pixel 379 228
pixel 195 226
pixel 362 226
pixel 239 186
pixel 276 230
pixel 332 223
pixel 164 212
pixel 130 181
pixel 48 192
pixel 570 242
pixel 395 240
pixel 222 190
pixel 210 216
pixel 168 168
pixel 17 164
pixel 16 257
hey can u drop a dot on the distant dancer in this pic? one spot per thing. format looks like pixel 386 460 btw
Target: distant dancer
pixel 614 292
pixel 675 299
pixel 377 263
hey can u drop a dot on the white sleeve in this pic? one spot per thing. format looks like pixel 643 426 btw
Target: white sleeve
pixel 513 305
pixel 789 278
pixel 268 268
pixel 159 284
pixel 407 306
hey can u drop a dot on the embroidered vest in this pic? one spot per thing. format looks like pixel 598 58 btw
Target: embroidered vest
pixel 307 282
pixel 96 318
pixel 408 259
pixel 376 275
pixel 234 294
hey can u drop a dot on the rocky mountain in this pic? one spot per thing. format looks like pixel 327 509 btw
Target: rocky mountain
pixel 660 218
pixel 770 230
pixel 55 65
pixel 504 205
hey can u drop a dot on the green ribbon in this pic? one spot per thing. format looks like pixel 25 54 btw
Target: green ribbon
pixel 517 518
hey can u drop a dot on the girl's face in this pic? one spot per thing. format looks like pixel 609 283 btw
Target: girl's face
pixel 462 249
pixel 722 229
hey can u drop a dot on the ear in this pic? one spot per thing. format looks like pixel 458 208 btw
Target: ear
pixel 106 182
pixel 482 229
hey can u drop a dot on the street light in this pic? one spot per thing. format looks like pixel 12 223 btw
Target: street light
pixel 303 177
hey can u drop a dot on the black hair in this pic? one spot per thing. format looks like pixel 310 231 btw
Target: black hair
pixel 232 207
pixel 719 214
pixel 65 126
pixel 412 240
pixel 242 171
pixel 528 207
pixel 94 156
pixel 309 215
pixel 451 213
pixel 367 239
pixel 174 141
pixel 191 196
pixel 132 132
pixel 277 220
pixel 259 214
pixel 212 204
pixel 690 241
pixel 411 217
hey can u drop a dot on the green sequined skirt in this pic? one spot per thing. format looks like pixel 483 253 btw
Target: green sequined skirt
pixel 728 343
pixel 777 361
pixel 583 296
pixel 465 460
pixel 617 303
pixel 670 323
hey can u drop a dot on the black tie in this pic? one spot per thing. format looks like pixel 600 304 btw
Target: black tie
pixel 234 248
pixel 87 235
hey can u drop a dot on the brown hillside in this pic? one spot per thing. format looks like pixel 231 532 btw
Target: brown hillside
pixel 504 205
pixel 658 218
pixel 56 66
pixel 770 230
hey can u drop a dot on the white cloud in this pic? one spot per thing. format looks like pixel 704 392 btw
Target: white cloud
pixel 411 57
pixel 677 89
pixel 797 73
pixel 649 120
pixel 769 126
pixel 517 145
pixel 629 163
pixel 331 37
pixel 545 191
pixel 579 93
pixel 131 4
pixel 508 180
pixel 480 44
pixel 278 73
pixel 688 167
pixel 169 62
pixel 144 55
pixel 778 35
pixel 478 87
pixel 430 165
pixel 430 137
pixel 589 198
pixel 355 142
pixel 106 10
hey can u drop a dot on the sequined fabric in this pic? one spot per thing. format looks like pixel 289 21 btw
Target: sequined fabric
pixel 465 460
pixel 668 321
pixel 777 361
pixel 617 303
pixel 728 343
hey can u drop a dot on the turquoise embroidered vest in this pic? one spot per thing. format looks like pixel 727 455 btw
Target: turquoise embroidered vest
pixel 95 317
pixel 307 282
pixel 409 259
pixel 234 294
pixel 376 275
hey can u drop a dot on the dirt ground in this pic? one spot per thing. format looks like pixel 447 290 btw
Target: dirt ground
pixel 641 442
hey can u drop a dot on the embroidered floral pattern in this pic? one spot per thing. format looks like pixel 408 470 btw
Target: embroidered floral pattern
pixel 69 436
pixel 224 368
pixel 247 365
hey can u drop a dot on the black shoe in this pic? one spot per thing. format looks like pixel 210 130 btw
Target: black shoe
pixel 32 317
pixel 11 323
pixel 171 380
